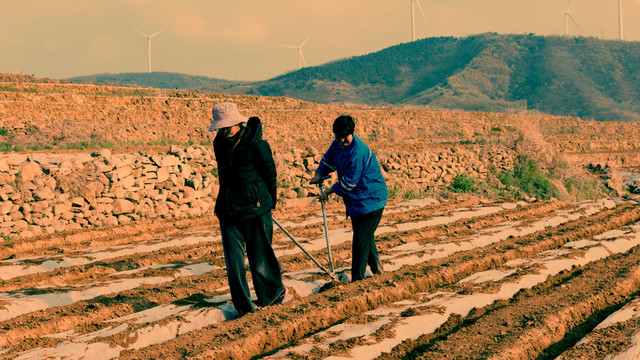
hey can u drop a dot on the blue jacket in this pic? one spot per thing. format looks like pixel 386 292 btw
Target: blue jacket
pixel 360 182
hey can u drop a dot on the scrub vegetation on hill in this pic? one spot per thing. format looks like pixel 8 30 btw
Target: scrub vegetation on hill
pixel 575 76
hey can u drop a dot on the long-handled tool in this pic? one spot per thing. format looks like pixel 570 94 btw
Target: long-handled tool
pixel 326 233
pixel 330 273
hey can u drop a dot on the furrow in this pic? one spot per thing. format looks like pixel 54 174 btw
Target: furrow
pixel 248 336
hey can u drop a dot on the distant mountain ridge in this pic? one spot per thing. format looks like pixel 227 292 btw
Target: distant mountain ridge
pixel 161 80
pixel 574 76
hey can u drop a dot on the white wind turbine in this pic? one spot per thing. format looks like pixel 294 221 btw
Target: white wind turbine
pixel 413 25
pixel 620 32
pixel 148 42
pixel 301 59
pixel 567 16
pixel 620 28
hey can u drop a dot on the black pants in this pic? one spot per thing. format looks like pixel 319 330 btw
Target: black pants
pixel 364 249
pixel 255 235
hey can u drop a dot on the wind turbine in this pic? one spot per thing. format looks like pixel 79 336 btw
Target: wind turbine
pixel 301 59
pixel 567 16
pixel 413 25
pixel 620 28
pixel 148 42
pixel 620 20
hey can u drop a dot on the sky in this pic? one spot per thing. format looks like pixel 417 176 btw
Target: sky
pixel 242 39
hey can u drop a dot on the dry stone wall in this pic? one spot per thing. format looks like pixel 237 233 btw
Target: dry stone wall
pixel 437 167
pixel 441 165
pixel 46 197
pixel 39 196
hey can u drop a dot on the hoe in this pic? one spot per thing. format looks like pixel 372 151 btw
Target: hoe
pixel 329 272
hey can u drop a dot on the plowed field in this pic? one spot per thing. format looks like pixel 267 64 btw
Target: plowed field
pixel 464 279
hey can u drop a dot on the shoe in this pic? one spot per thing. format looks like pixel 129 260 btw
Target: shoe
pixel 281 298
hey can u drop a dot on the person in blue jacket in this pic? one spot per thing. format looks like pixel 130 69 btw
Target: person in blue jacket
pixel 362 188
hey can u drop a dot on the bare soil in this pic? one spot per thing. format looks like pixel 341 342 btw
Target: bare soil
pixel 541 321
pixel 466 277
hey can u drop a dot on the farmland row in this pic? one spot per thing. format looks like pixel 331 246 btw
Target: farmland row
pixel 167 295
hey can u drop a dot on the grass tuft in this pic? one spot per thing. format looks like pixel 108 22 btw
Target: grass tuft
pixel 527 177
pixel 408 190
pixel 463 184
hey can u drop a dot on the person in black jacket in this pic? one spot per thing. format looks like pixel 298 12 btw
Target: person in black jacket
pixel 247 176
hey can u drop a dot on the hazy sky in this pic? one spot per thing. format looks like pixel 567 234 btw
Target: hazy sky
pixel 241 39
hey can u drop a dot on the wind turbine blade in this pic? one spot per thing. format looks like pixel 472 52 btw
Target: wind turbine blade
pixel 303 59
pixel 138 30
pixel 305 40
pixel 568 4
pixel 422 12
pixel 638 1
pixel 572 19
pixel 289 46
pixel 158 33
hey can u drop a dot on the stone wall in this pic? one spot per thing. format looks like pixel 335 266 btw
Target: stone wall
pixel 74 192
pixel 437 167
pixel 38 196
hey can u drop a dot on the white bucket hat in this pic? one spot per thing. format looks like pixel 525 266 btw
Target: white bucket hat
pixel 224 115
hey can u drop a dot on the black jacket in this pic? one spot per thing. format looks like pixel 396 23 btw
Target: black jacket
pixel 247 175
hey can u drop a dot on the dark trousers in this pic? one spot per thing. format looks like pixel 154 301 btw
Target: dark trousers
pixel 364 249
pixel 254 235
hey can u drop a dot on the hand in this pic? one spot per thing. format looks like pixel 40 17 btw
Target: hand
pixel 325 194
pixel 315 179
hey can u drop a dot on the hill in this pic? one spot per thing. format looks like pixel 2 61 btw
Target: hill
pixel 568 76
pixel 161 80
